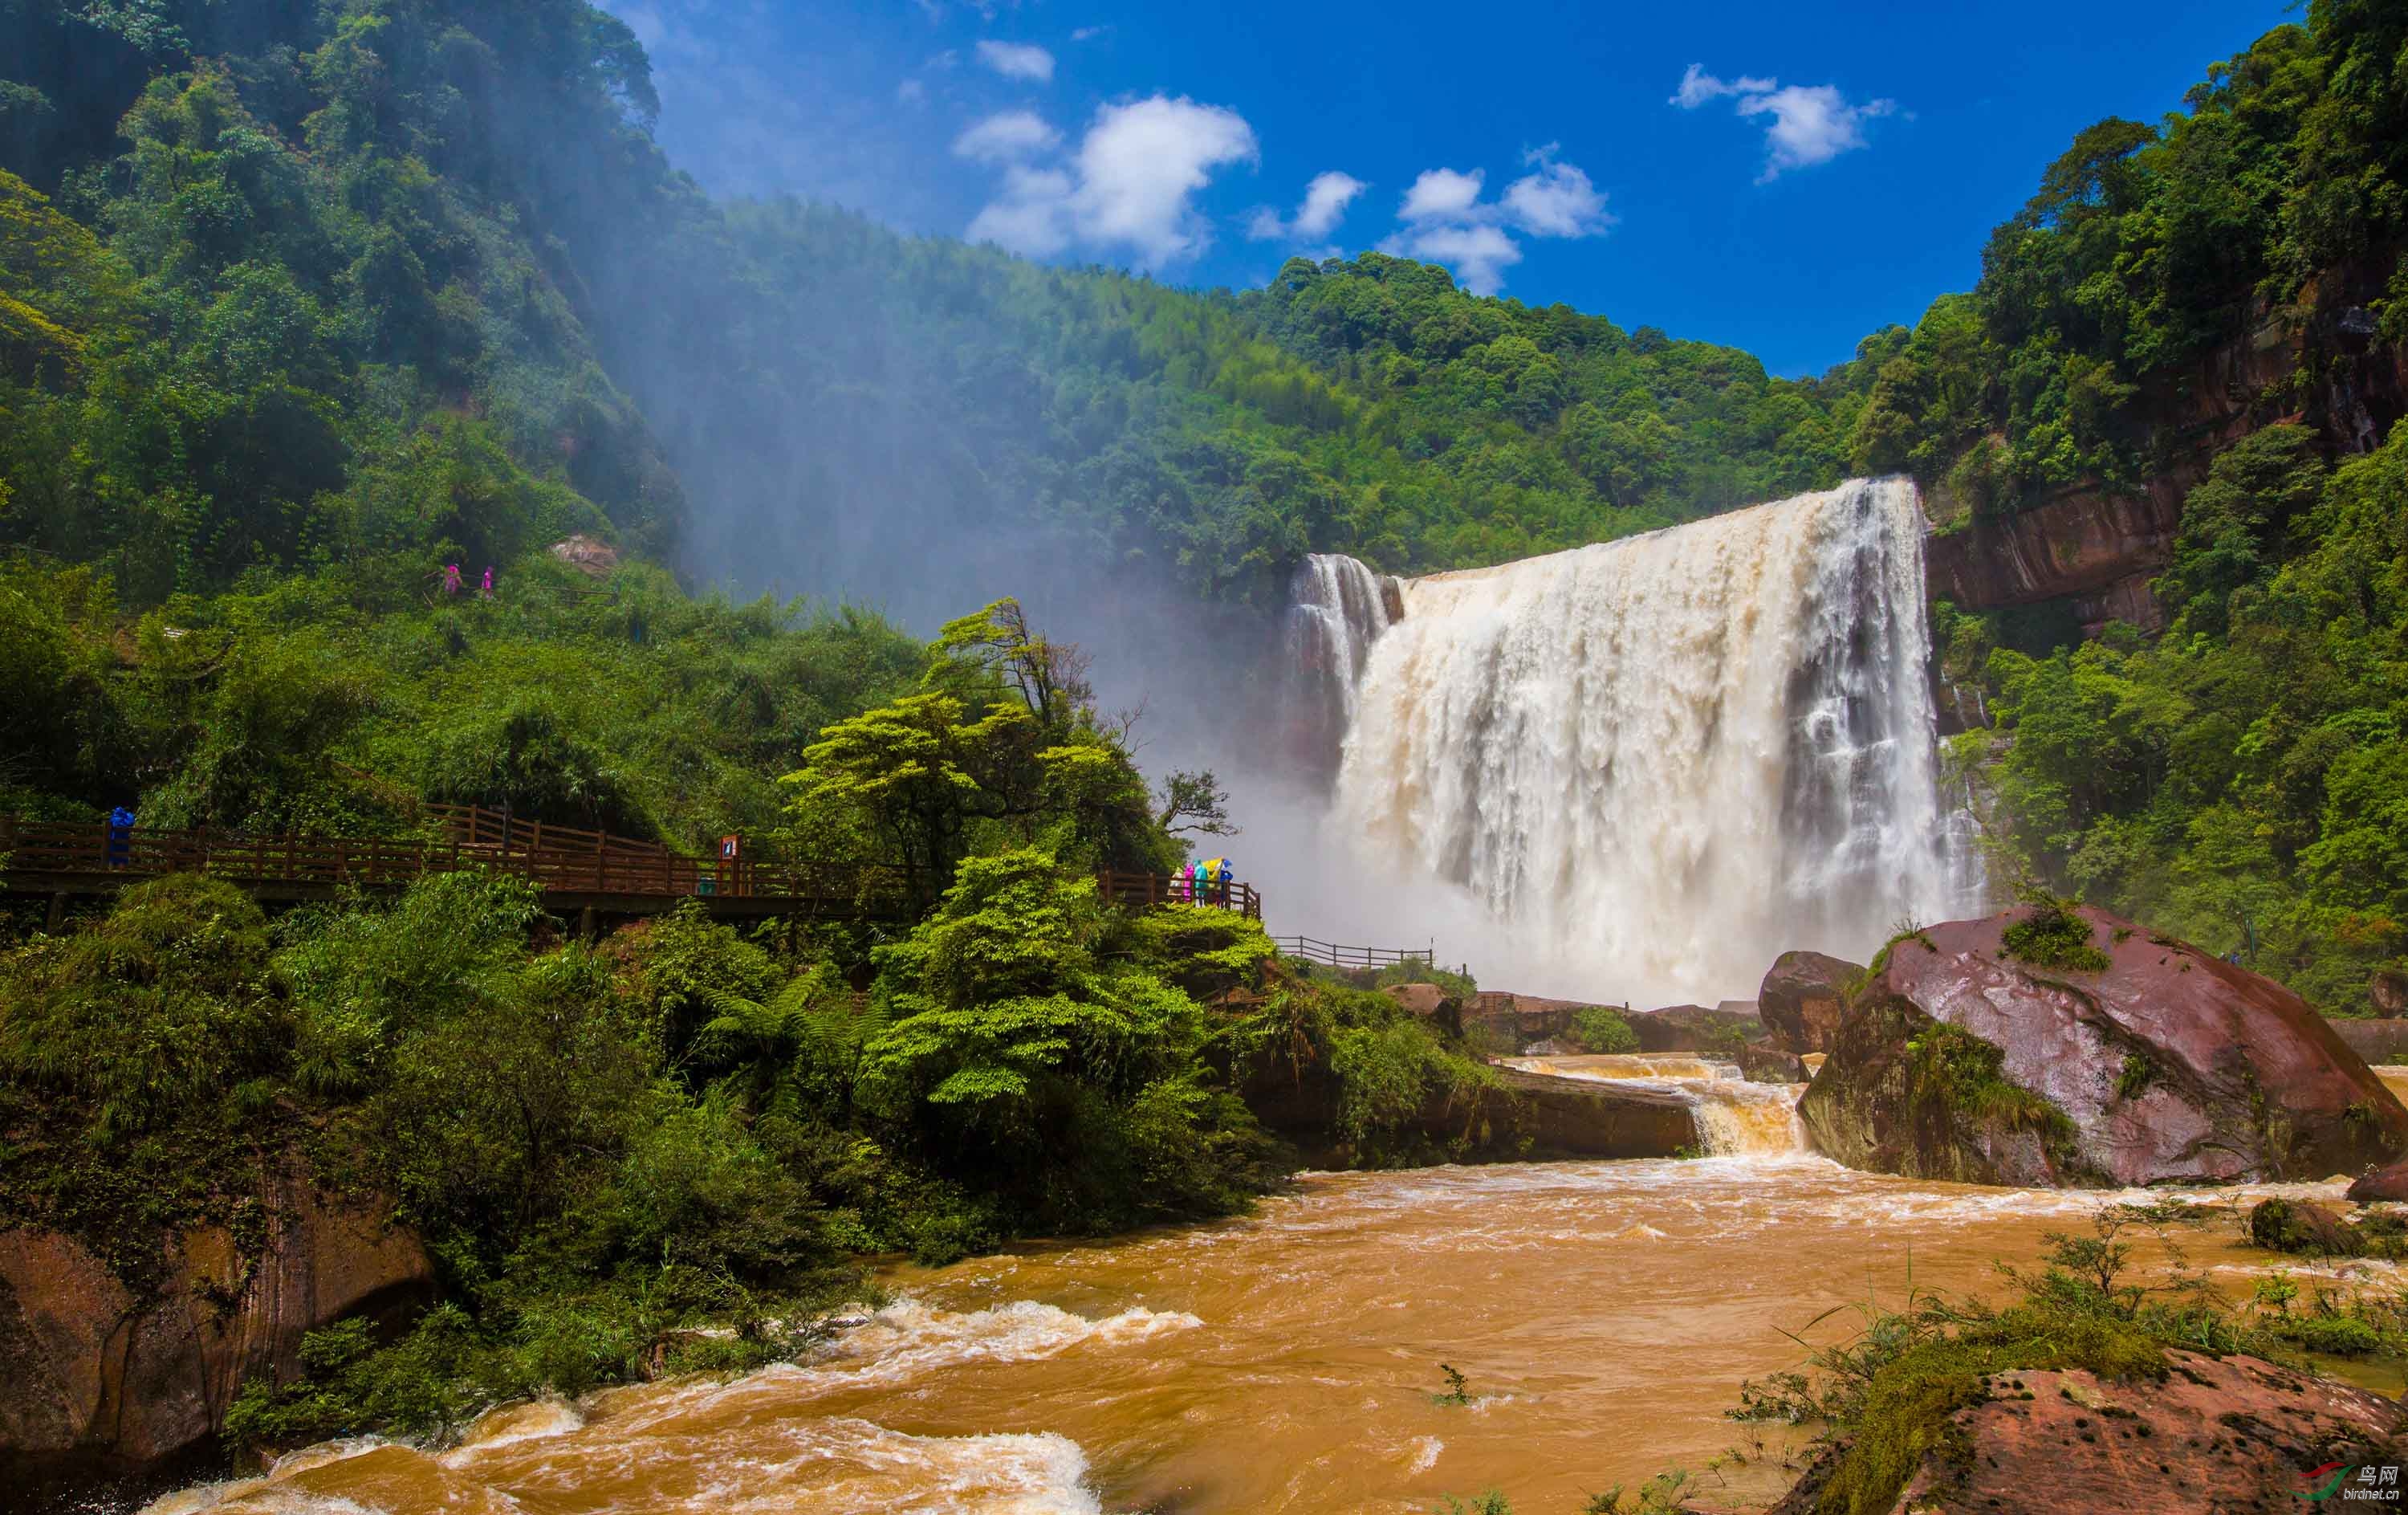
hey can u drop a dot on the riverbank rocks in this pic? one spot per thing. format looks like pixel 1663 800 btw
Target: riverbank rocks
pixel 2216 1434
pixel 98 1383
pixel 1429 1003
pixel 1524 1116
pixel 2376 1040
pixel 2119 1057
pixel 1803 997
pixel 1694 1028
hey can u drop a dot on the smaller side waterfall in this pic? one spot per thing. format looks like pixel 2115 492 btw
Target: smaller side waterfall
pixel 1734 1117
pixel 1338 606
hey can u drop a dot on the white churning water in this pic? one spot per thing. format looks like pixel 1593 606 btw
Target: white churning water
pixel 1664 760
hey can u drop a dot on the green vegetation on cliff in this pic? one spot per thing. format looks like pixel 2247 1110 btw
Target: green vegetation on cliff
pixel 668 1148
pixel 2236 780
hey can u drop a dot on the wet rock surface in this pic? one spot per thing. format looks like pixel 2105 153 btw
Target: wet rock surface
pixel 98 1383
pixel 2165 1064
pixel 2384 1184
pixel 1803 997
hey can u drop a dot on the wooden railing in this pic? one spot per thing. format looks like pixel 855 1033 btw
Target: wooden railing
pixel 1141 891
pixel 555 859
pixel 559 859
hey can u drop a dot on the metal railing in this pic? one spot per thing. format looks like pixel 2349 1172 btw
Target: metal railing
pixel 1333 954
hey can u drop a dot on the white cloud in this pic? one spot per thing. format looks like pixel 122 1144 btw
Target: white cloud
pixel 1130 185
pixel 1812 124
pixel 1088 34
pixel 1325 204
pixel 1446 221
pixel 1557 200
pixel 1325 200
pixel 1698 87
pixel 1017 60
pixel 1443 193
pixel 1478 254
pixel 910 91
pixel 1007 136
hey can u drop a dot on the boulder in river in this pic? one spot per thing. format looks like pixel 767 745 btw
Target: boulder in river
pixel 2213 1434
pixel 101 1380
pixel 1803 997
pixel 2053 1047
pixel 2384 1184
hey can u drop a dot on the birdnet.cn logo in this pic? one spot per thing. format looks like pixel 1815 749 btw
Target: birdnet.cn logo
pixel 2378 1482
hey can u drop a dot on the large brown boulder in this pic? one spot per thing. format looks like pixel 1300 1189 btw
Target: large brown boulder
pixel 2126 1059
pixel 1430 1002
pixel 2214 1434
pixel 98 1381
pixel 1803 997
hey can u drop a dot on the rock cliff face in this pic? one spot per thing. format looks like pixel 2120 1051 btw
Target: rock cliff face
pixel 97 1383
pixel 2099 546
pixel 1958 1059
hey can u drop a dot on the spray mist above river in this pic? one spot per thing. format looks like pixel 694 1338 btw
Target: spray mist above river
pixel 1659 763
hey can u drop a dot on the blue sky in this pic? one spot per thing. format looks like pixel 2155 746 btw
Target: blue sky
pixel 1780 177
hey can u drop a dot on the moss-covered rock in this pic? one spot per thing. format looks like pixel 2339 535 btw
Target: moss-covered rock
pixel 1902 1092
pixel 2060 1044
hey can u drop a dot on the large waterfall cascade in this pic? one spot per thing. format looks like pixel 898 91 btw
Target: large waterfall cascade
pixel 1662 761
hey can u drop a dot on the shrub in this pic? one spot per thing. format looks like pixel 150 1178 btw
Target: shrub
pixel 1600 1028
pixel 2054 936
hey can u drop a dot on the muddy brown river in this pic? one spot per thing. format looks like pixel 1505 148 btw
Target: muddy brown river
pixel 1601 1313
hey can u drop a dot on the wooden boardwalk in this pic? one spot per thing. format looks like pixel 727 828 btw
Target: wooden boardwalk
pixel 592 872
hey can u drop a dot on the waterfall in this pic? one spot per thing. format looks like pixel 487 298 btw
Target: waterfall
pixel 1337 607
pixel 1734 1117
pixel 1662 761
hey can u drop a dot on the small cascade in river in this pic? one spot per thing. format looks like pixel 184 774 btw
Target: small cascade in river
pixel 1735 1118
pixel 1660 762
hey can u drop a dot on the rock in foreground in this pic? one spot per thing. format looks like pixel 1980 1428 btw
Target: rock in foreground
pixel 97 1381
pixel 2214 1434
pixel 2039 1047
